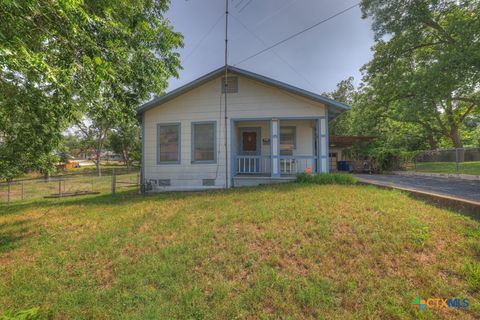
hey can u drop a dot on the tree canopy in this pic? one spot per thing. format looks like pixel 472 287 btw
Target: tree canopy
pixel 426 64
pixel 61 60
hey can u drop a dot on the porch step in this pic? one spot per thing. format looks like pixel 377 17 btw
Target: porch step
pixel 250 181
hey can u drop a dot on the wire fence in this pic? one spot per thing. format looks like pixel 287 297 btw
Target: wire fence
pixel 69 185
pixel 459 161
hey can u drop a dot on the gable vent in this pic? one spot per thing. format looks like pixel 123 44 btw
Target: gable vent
pixel 232 84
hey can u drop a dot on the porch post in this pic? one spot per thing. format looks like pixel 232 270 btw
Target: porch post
pixel 327 142
pixel 322 163
pixel 275 146
pixel 319 146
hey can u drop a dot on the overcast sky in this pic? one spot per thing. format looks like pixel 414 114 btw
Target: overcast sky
pixel 316 60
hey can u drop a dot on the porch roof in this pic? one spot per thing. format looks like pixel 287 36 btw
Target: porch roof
pixel 334 107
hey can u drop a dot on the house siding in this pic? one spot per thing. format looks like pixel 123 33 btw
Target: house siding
pixel 205 103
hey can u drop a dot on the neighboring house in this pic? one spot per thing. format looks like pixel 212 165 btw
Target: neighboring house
pixel 274 131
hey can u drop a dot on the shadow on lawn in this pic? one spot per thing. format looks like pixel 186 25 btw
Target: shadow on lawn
pixel 11 234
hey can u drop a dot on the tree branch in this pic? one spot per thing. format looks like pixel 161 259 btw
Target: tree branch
pixel 467 112
pixel 434 25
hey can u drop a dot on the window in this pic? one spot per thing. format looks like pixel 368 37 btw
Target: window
pixel 287 140
pixel 203 142
pixel 232 84
pixel 168 143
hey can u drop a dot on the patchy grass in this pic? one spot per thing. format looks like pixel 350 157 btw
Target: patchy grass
pixel 471 167
pixel 286 251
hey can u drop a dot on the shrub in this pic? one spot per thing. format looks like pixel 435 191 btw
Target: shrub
pixel 327 178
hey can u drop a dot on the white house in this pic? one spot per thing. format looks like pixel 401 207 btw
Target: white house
pixel 273 131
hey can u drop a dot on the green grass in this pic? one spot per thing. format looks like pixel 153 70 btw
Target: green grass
pixel 294 251
pixel 38 188
pixel 472 167
pixel 327 178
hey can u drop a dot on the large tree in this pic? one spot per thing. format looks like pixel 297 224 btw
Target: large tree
pixel 60 60
pixel 124 140
pixel 426 64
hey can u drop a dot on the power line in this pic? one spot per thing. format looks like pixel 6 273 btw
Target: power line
pixel 267 18
pixel 278 55
pixel 238 4
pixel 298 33
pixel 204 37
pixel 246 5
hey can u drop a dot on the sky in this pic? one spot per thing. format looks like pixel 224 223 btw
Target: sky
pixel 316 60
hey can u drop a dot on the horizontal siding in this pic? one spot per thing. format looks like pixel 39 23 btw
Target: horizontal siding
pixel 205 103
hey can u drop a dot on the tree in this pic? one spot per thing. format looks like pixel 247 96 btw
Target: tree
pixel 345 93
pixel 61 60
pixel 93 136
pixel 125 140
pixel 427 61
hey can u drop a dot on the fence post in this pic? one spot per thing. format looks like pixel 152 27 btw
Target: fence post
pixel 23 194
pixel 60 188
pixel 113 181
pixel 8 191
pixel 456 159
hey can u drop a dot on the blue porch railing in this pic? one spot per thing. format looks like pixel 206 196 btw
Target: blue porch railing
pixel 289 165
pixel 297 164
pixel 252 164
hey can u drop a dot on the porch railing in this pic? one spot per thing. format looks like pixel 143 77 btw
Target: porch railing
pixel 253 164
pixel 289 165
pixel 297 164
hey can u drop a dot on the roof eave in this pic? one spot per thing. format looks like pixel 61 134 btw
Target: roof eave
pixel 335 107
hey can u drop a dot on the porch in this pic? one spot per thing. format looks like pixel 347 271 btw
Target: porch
pixel 276 150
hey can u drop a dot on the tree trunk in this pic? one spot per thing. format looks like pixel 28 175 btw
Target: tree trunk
pixel 432 142
pixel 458 144
pixel 97 163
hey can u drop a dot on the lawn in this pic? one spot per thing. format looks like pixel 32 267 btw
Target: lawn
pixel 472 167
pixel 288 251
pixel 80 181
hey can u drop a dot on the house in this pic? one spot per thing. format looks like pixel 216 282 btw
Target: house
pixel 273 131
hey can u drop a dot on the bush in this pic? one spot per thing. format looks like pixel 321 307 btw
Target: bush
pixel 327 178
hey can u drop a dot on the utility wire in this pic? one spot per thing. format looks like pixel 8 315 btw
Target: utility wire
pixel 278 55
pixel 238 4
pixel 267 18
pixel 298 33
pixel 274 14
pixel 204 37
pixel 246 5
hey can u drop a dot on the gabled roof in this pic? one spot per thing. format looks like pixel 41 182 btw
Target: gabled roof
pixel 334 107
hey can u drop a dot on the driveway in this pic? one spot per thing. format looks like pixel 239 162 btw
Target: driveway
pixel 456 188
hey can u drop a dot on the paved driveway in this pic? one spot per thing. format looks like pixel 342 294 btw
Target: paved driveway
pixel 465 189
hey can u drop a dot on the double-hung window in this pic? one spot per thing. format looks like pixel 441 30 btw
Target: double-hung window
pixel 287 140
pixel 204 142
pixel 168 143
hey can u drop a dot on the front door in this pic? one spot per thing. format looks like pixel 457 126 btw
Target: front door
pixel 249 143
pixel 249 150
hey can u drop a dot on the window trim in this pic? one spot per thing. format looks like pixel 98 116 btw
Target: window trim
pixel 192 143
pixel 179 149
pixel 294 136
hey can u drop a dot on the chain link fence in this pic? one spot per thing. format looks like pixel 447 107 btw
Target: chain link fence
pixel 457 161
pixel 69 185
